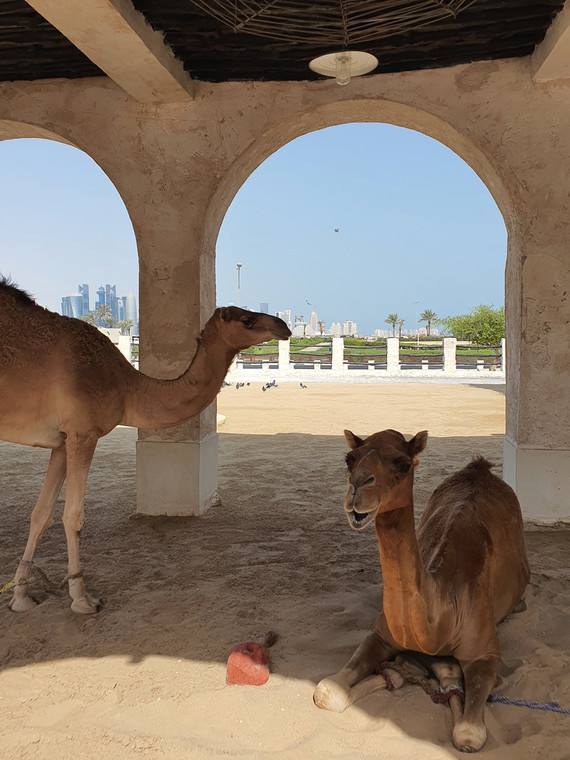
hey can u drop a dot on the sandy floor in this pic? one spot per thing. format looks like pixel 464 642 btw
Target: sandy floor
pixel 145 678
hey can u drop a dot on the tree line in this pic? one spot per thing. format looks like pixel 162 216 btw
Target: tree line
pixel 483 325
pixel 102 317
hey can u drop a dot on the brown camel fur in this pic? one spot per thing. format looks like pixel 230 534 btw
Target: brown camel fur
pixel 445 587
pixel 64 385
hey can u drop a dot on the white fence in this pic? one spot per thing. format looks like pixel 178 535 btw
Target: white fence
pixel 340 370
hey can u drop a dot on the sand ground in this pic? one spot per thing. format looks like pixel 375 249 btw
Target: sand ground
pixel 145 678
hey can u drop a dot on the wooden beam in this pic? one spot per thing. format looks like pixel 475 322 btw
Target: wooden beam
pixel 551 59
pixel 118 39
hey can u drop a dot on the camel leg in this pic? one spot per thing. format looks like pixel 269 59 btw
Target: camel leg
pixel 334 693
pixel 448 673
pixel 80 450
pixel 40 521
pixel 469 734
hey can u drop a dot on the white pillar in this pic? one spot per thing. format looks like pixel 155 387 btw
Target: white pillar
pixel 393 355
pixel 337 354
pixel 449 354
pixel 284 352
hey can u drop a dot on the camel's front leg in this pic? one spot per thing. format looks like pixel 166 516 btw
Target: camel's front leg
pixel 334 693
pixel 470 734
pixel 80 450
pixel 40 521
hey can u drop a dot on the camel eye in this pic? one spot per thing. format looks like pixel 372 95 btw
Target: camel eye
pixel 370 481
pixel 248 322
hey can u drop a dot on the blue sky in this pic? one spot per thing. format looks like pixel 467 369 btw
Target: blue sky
pixel 415 224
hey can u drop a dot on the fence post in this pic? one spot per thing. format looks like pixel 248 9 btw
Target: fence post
pixel 284 364
pixel 337 354
pixel 449 354
pixel 371 365
pixel 393 354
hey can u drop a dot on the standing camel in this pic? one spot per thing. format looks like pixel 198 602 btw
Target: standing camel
pixel 445 587
pixel 64 385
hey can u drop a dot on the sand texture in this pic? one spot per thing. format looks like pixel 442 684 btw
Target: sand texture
pixel 145 678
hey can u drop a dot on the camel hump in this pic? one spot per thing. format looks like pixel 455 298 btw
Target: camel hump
pixel 479 465
pixel 9 288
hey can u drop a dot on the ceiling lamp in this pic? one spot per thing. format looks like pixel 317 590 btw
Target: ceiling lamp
pixel 344 65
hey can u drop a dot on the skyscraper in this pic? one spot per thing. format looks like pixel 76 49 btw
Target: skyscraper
pixel 84 290
pixel 264 308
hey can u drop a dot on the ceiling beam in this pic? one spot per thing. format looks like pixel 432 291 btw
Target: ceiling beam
pixel 118 39
pixel 551 59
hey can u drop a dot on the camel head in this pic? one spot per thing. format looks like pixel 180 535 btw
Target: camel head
pixel 241 329
pixel 380 473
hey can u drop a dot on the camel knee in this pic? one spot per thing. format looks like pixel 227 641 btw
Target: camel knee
pixel 469 737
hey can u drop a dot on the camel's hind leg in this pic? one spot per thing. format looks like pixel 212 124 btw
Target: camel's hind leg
pixel 40 521
pixel 335 692
pixel 80 450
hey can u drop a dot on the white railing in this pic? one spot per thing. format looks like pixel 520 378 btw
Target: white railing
pixel 339 370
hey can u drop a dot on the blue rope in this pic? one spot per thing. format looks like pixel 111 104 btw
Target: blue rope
pixel 551 706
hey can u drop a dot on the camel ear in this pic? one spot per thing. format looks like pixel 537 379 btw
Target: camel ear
pixel 352 440
pixel 225 314
pixel 418 443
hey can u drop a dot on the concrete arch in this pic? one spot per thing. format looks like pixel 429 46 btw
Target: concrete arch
pixel 346 112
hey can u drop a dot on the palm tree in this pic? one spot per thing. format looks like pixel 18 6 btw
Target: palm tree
pixel 125 325
pixel 400 323
pixel 91 318
pixel 392 319
pixel 104 315
pixel 428 316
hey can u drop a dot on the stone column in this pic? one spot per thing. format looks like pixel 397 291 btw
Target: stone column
pixel 503 355
pixel 449 354
pixel 537 444
pixel 393 355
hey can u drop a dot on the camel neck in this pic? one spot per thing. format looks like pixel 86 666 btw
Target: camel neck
pixel 405 580
pixel 155 404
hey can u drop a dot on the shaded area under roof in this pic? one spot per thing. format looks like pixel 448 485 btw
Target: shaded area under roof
pixel 30 48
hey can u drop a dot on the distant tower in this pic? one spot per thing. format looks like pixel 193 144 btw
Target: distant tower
pixel 100 296
pixel 131 308
pixel 313 323
pixel 84 290
pixel 264 308
pixel 72 306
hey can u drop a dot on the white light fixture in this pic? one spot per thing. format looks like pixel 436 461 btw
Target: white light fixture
pixel 344 65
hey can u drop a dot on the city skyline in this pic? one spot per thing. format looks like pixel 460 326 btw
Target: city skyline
pixel 122 308
pixel 356 222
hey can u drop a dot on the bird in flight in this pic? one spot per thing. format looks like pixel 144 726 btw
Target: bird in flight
pixel 336 229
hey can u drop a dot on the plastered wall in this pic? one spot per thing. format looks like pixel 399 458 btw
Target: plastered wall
pixel 178 167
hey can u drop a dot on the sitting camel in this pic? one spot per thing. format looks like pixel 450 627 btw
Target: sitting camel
pixel 445 587
pixel 64 385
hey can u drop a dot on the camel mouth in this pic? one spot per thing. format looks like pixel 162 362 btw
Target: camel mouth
pixel 359 520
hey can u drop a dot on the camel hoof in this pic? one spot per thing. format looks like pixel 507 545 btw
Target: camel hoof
pixel 88 605
pixel 331 695
pixel 22 603
pixel 468 737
